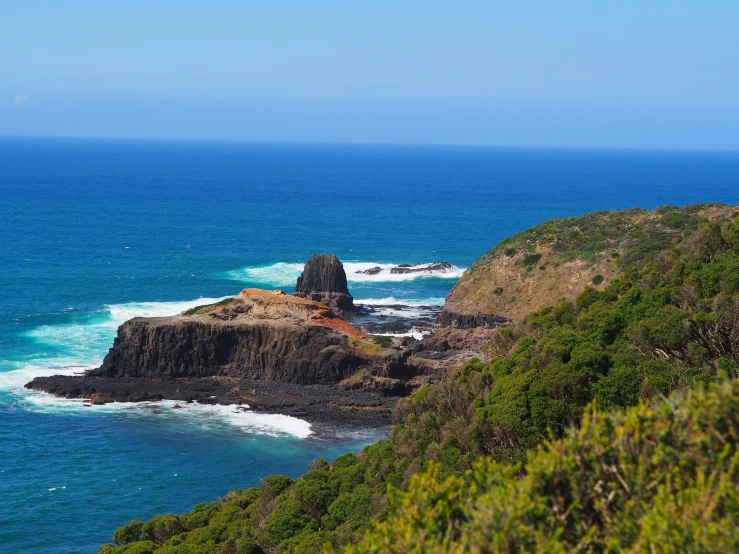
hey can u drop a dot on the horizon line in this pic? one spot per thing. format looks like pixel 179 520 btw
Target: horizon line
pixel 364 143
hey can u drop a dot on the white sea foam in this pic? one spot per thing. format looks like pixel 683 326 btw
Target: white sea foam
pixel 203 416
pixel 276 275
pixel 413 332
pixel 16 378
pixel 384 275
pixel 81 346
pixel 76 347
pixel 392 301
pixel 123 312
pixel 284 274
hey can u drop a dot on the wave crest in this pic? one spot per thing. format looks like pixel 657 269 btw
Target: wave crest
pixel 284 274
pixel 80 346
pixel 203 416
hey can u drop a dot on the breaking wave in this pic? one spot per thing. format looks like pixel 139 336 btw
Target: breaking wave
pixel 205 417
pixel 284 274
pixel 66 349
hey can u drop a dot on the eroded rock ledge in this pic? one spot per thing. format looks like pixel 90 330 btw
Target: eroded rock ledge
pixel 261 348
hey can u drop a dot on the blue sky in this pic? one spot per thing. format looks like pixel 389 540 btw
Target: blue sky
pixel 569 73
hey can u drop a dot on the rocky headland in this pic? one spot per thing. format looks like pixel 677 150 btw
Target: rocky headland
pixel 317 355
pixel 271 351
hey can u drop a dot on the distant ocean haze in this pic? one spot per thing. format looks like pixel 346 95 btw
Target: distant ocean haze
pixel 97 232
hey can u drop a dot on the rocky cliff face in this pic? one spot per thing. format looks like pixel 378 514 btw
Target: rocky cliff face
pixel 269 350
pixel 324 280
pixel 264 335
pixel 164 348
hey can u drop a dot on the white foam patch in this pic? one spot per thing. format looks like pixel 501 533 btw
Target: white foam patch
pixel 16 378
pixel 203 416
pixel 277 275
pixel 385 274
pixel 284 274
pixel 77 347
pixel 413 332
pixel 392 301
pixel 124 312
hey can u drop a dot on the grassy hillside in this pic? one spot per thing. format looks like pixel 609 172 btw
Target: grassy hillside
pixel 464 465
pixel 554 261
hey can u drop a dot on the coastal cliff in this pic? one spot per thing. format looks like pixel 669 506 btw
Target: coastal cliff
pixel 272 351
pixel 255 335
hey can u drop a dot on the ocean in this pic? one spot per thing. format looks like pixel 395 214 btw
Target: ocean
pixel 93 232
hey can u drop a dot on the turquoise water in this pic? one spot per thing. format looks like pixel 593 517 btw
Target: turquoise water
pixel 96 232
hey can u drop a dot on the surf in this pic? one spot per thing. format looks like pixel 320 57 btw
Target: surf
pixel 284 274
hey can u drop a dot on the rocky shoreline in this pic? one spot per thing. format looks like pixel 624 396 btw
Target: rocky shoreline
pixel 312 355
pixel 326 407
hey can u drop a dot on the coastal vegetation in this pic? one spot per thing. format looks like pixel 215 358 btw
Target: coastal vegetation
pixel 224 302
pixel 605 422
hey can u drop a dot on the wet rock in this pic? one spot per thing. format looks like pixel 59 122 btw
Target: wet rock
pixel 436 267
pixel 371 271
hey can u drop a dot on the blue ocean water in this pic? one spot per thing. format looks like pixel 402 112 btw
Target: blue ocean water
pixel 93 232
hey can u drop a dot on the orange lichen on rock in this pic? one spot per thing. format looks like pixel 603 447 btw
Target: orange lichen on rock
pixel 260 304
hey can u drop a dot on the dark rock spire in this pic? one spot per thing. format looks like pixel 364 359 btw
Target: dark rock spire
pixel 324 280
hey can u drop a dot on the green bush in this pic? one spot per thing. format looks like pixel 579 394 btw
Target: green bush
pixel 383 341
pixel 531 259
pixel 160 529
pixel 278 483
pixel 658 478
pixel 129 533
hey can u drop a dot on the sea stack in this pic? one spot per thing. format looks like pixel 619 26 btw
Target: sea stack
pixel 324 280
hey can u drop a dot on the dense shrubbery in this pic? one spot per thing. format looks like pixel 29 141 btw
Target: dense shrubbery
pixel 629 237
pixel 657 478
pixel 653 479
pixel 674 323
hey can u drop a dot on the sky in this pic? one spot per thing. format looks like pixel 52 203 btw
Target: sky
pixel 654 74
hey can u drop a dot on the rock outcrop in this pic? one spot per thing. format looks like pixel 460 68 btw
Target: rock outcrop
pixel 324 280
pixel 256 335
pixel 251 346
pixel 435 267
pixel 449 318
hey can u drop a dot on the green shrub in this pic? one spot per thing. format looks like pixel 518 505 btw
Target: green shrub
pixel 278 483
pixel 129 533
pixel 531 259
pixel 383 341
pixel 654 479
pixel 224 302
pixel 160 529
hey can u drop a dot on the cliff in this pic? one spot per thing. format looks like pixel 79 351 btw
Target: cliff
pixel 556 260
pixel 264 335
pixel 275 351
pixel 324 280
